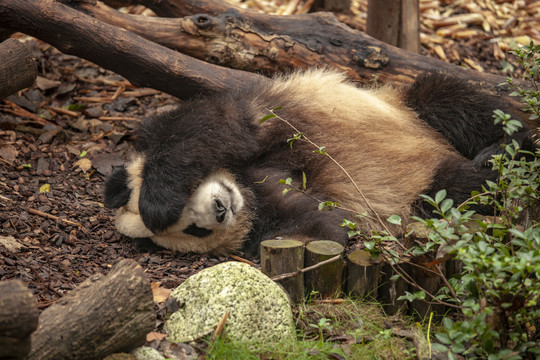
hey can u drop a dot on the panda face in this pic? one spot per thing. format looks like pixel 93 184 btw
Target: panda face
pixel 215 204
pixel 215 218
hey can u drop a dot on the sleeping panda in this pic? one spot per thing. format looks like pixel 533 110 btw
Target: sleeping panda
pixel 205 176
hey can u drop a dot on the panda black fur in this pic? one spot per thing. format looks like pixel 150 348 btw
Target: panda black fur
pixel 395 143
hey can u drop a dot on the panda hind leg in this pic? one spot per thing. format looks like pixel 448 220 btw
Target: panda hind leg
pixel 459 177
pixel 463 114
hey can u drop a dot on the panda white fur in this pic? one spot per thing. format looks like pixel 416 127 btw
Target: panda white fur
pixel 205 174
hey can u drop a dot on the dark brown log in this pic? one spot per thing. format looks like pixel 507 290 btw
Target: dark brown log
pixel 104 315
pixel 18 319
pixel 391 289
pixel 335 6
pixel 18 70
pixel 5 34
pixel 273 44
pixel 281 257
pixel 253 41
pixel 141 61
pixel 326 280
pixel 363 274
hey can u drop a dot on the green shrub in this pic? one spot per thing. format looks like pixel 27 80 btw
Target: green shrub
pixel 497 295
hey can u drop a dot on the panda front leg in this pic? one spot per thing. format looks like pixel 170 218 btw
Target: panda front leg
pixel 295 213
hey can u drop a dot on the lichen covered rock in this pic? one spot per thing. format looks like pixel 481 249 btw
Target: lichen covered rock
pixel 259 311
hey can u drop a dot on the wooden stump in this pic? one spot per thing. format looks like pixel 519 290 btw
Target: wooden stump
pixel 18 319
pixel 281 257
pixel 390 290
pixel 431 283
pixel 104 315
pixel 363 274
pixel 327 279
pixel 18 70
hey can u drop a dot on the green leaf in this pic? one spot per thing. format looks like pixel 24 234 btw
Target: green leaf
pixel 269 116
pixel 287 181
pixel 443 338
pixel 304 181
pixel 441 194
pixel 446 205
pixel 394 219
pixel 83 153
pixel 321 150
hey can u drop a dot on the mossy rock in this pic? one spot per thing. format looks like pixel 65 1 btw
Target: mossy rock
pixel 259 310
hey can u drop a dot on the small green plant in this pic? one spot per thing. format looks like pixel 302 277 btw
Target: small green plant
pixel 323 325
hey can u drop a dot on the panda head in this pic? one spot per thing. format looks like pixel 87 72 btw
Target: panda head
pixel 214 218
pixel 214 205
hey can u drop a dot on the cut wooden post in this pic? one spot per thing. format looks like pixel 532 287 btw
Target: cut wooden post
pixel 18 70
pixel 363 274
pixel 103 315
pixel 395 22
pixel 391 289
pixel 18 319
pixel 431 283
pixel 326 280
pixel 281 257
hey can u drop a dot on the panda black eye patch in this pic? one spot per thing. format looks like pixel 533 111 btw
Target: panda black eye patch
pixel 197 231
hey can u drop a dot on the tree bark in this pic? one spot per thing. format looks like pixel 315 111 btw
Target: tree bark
pixel 18 70
pixel 363 274
pixel 252 41
pixel 326 280
pixel 104 315
pixel 18 319
pixel 233 37
pixel 395 22
pixel 281 257
pixel 141 61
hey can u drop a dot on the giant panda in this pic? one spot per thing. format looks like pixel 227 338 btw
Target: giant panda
pixel 205 176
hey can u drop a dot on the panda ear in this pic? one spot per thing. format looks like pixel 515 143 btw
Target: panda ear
pixel 161 199
pixel 117 192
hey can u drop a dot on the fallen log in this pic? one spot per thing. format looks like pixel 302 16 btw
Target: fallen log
pixel 220 33
pixel 141 61
pixel 18 70
pixel 18 319
pixel 103 315
pixel 235 37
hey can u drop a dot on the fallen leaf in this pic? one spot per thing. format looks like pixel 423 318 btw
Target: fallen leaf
pixel 45 84
pixel 84 164
pixel 160 294
pixel 153 336
pixel 104 163
pixel 8 152
pixel 45 188
pixel 10 243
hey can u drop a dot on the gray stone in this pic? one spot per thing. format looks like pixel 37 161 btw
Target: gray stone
pixel 147 353
pixel 259 310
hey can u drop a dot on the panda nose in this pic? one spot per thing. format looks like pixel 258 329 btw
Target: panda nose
pixel 220 209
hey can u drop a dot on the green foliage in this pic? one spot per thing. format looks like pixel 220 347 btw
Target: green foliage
pixel 529 58
pixel 498 293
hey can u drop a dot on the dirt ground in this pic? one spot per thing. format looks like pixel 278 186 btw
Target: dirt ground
pixel 59 140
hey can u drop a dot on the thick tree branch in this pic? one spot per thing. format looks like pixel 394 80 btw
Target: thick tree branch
pixel 252 41
pixel 141 61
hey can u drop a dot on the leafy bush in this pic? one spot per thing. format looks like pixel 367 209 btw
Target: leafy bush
pixel 497 295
